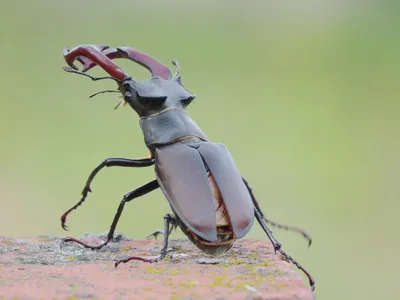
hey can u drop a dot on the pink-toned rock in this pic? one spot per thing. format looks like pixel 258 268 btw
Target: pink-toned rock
pixel 36 268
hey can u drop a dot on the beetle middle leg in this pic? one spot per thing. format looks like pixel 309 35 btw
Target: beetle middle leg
pixel 141 191
pixel 108 162
pixel 169 222
pixel 156 233
pixel 273 223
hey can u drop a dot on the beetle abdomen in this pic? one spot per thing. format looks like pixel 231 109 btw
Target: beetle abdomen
pixel 205 191
pixel 222 218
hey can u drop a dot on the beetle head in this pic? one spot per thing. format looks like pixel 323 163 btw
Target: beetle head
pixel 162 91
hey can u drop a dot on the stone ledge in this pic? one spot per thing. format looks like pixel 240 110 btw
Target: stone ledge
pixel 36 268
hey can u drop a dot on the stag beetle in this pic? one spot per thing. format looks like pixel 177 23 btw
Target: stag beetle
pixel 211 202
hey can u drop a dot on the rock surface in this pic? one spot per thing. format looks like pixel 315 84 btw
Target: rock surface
pixel 36 268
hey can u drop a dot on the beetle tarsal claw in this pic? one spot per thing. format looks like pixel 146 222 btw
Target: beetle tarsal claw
pixel 154 235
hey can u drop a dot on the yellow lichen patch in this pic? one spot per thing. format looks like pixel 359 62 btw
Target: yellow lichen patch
pixel 44 239
pixel 152 269
pixel 220 280
pixel 240 285
pixel 188 284
pixel 70 258
pixel 264 263
pixel 7 241
pixel 195 295
pixel 173 272
pixel 185 271
pixel 174 296
pixel 125 248
pixel 170 283
pixel 254 255
pixel 279 272
pixel 167 258
pixel 235 261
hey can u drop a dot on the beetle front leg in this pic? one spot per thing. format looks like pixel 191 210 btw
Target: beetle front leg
pixel 108 162
pixel 275 224
pixel 141 191
pixel 169 220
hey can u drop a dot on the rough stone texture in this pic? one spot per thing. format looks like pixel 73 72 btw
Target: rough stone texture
pixel 36 268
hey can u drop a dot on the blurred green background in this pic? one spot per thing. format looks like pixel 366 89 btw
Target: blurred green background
pixel 305 95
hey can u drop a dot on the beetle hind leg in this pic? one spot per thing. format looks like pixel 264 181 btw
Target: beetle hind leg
pixel 277 247
pixel 275 224
pixel 169 224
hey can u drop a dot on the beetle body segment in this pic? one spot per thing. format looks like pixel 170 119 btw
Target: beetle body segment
pixel 168 126
pixel 236 197
pixel 206 193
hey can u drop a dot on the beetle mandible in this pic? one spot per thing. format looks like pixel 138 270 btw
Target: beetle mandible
pixel 210 201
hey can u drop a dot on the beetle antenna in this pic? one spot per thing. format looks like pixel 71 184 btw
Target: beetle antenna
pixel 102 92
pixel 178 69
pixel 71 70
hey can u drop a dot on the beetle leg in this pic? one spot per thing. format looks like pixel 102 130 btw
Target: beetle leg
pixel 108 162
pixel 277 247
pixel 275 224
pixel 156 233
pixel 141 191
pixel 168 221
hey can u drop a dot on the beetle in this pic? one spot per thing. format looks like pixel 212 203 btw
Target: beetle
pixel 210 201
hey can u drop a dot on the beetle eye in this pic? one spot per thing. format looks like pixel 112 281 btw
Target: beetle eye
pixel 153 102
pixel 128 96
